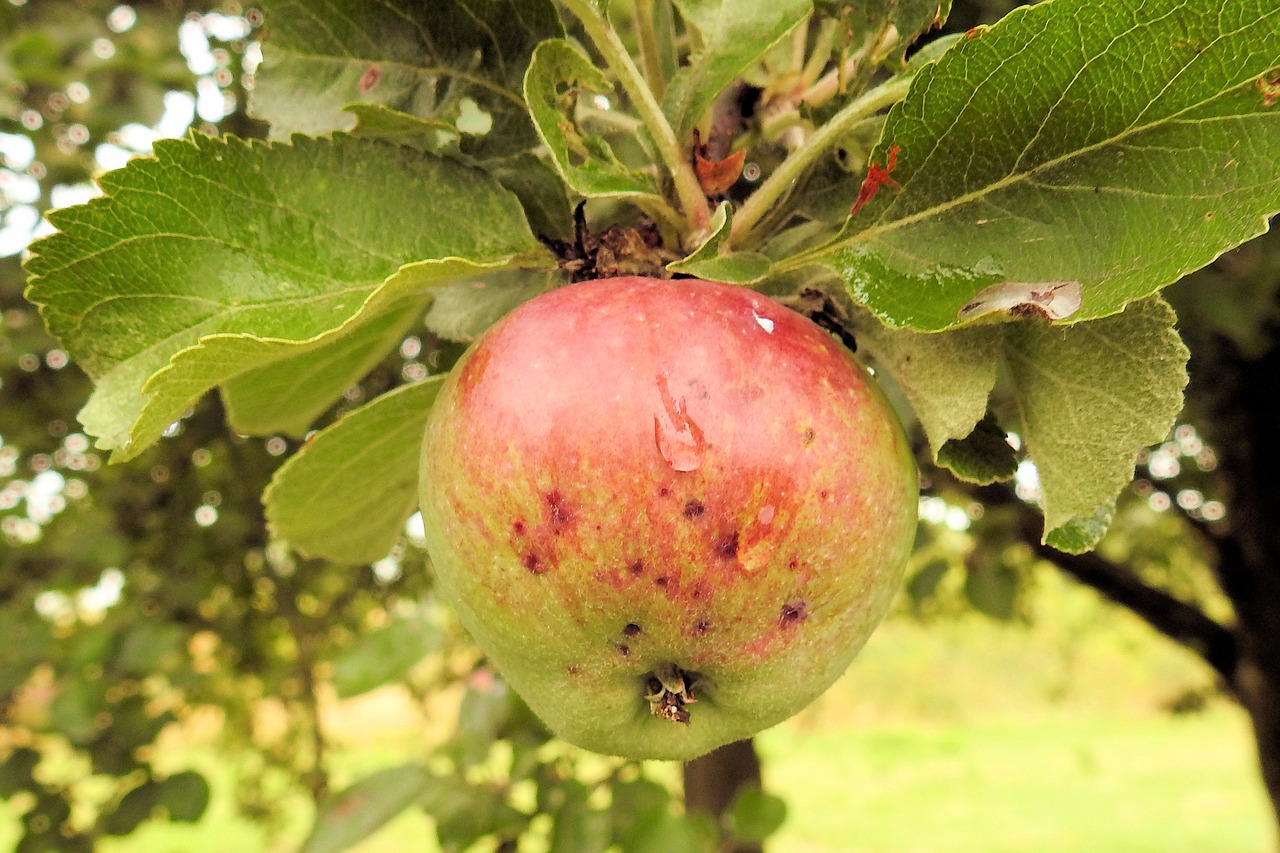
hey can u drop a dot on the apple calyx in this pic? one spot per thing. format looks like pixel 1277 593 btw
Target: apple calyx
pixel 668 689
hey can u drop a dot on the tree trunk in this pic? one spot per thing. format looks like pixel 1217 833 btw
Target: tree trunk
pixel 712 781
pixel 1245 429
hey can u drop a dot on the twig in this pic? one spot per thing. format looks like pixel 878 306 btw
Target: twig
pixel 1177 619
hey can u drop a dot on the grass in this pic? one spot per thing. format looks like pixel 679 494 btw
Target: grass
pixel 965 736
pixel 1101 785
pixel 970 736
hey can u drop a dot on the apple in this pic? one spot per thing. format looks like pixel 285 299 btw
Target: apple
pixel 670 512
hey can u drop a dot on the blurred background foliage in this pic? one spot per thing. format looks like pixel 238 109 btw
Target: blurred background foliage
pixel 170 678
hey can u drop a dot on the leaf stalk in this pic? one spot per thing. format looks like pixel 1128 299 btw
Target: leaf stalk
pixel 792 169
pixel 650 59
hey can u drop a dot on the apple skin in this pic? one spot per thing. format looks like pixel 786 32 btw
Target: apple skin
pixel 634 477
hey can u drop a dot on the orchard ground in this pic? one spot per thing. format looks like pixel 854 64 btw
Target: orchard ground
pixel 964 735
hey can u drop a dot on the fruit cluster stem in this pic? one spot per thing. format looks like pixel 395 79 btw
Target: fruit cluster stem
pixel 693 202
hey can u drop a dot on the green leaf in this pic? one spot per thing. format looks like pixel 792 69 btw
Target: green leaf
pixel 1081 534
pixel 426 60
pixel 526 739
pixel 378 121
pixel 289 394
pixel 670 833
pixel 983 457
pixel 992 588
pixel 708 263
pixel 830 190
pixel 932 51
pixel 1085 398
pixel 379 657
pixel 43 823
pixel 185 796
pixel 540 189
pixel 557 74
pixel 346 494
pixel 17 771
pixel 32 641
pixel 487 707
pixel 735 34
pixel 220 256
pixel 364 807
pixel 126 726
pixel 134 807
pixel 576 826
pixel 886 28
pixel 924 583
pixel 755 815
pixel 947 377
pixel 147 646
pixel 220 358
pixel 1088 397
pixel 1119 145
pixel 470 812
pixel 463 310
pixel 75 711
pixel 636 804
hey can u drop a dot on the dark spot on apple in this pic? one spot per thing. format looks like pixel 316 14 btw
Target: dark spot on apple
pixel 792 614
pixel 694 509
pixel 636 568
pixel 533 564
pixel 631 629
pixel 700 627
pixel 699 591
pixel 518 527
pixel 727 545
pixel 809 436
pixel 793 564
pixel 559 510
pixel 824 494
pixel 662 580
pixel 663 492
pixel 571 670
pixel 623 649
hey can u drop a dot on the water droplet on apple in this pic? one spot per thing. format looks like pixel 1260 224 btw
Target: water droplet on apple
pixel 679 439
